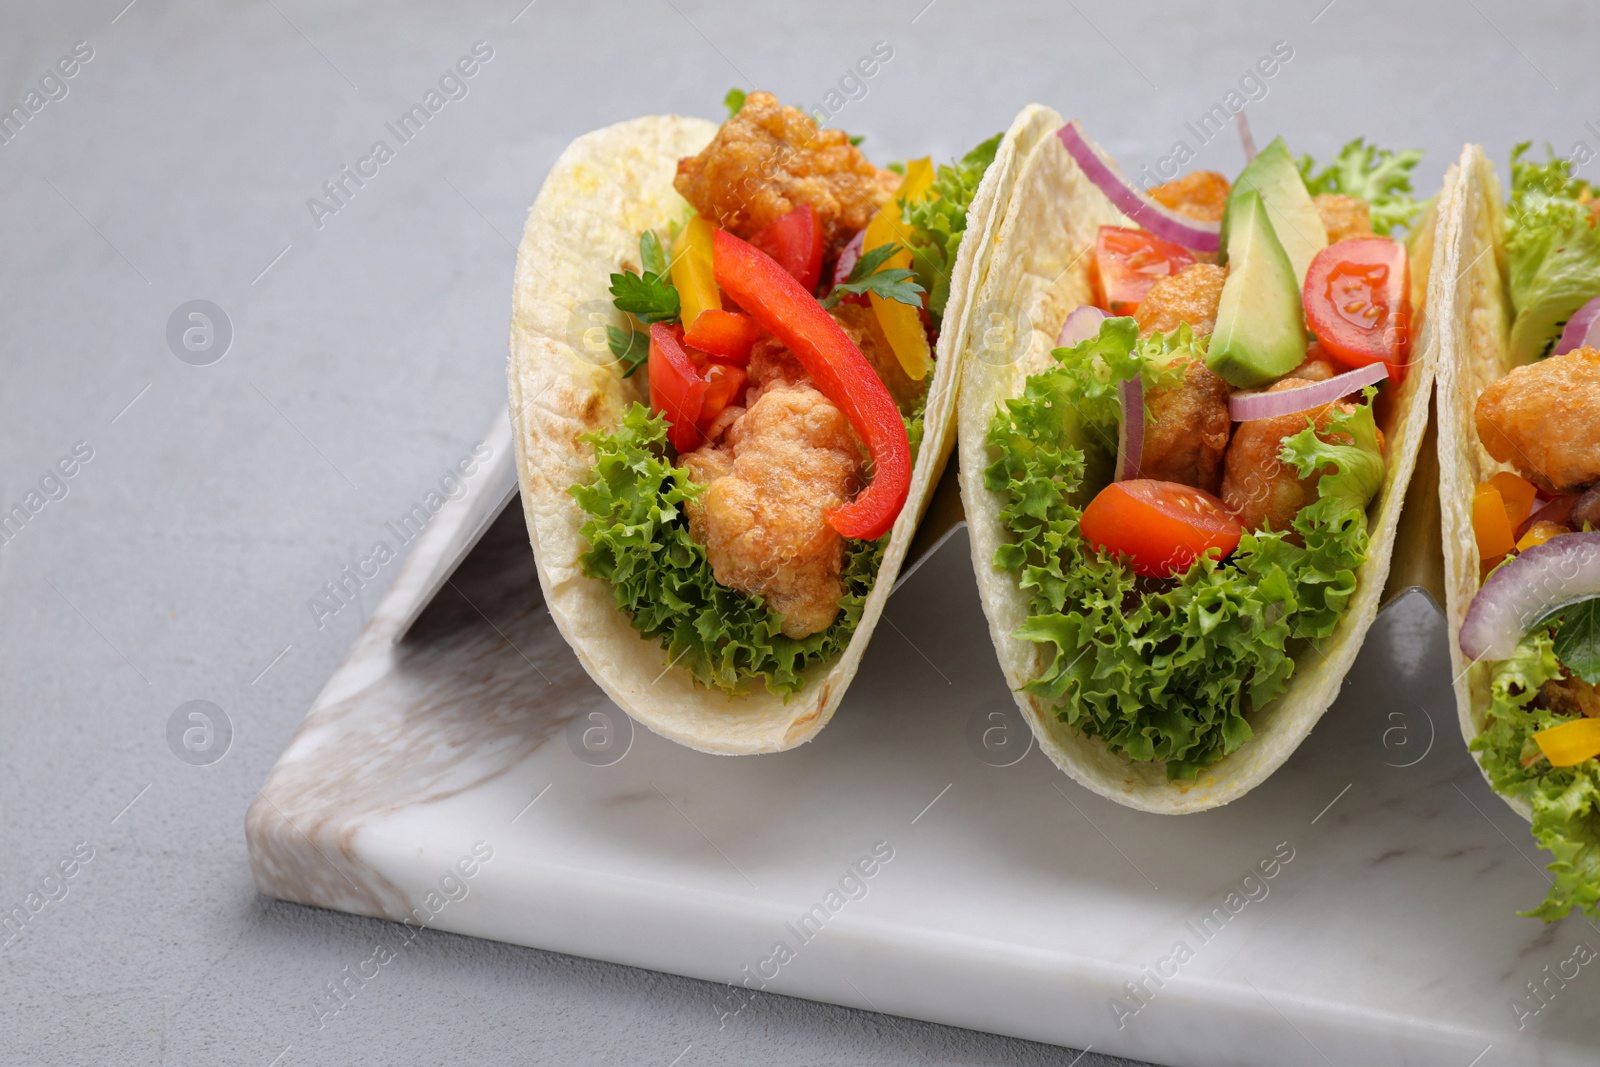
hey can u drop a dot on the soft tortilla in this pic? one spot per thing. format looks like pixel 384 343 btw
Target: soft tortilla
pixel 606 188
pixel 1040 272
pixel 1475 351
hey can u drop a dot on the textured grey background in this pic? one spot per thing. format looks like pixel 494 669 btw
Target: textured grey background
pixel 368 356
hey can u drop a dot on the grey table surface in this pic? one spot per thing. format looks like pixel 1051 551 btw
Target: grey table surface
pixel 366 355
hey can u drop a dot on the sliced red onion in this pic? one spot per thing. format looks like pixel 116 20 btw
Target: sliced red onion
pixel 1260 404
pixel 1158 219
pixel 1582 329
pixel 847 258
pixel 1130 435
pixel 1529 589
pixel 1082 324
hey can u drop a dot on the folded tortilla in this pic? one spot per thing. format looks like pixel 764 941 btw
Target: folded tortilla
pixel 1475 350
pixel 606 188
pixel 1037 274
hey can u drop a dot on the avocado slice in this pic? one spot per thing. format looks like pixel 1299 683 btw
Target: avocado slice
pixel 1294 214
pixel 1260 333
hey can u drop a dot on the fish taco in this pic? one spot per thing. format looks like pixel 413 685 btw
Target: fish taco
pixel 1187 423
pixel 731 389
pixel 1519 451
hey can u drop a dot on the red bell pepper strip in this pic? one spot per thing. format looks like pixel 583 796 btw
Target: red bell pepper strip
pixel 791 314
pixel 723 335
pixel 676 388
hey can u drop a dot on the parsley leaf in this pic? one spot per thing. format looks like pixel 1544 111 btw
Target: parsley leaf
pixel 733 101
pixel 1380 177
pixel 651 257
pixel 649 297
pixel 856 139
pixel 631 347
pixel 865 277
pixel 1578 640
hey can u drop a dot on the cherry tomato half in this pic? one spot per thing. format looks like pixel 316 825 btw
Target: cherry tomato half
pixel 676 388
pixel 1162 527
pixel 795 241
pixel 1358 302
pixel 1128 262
pixel 724 386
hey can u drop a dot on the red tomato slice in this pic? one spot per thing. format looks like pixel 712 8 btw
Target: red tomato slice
pixel 795 241
pixel 1163 527
pixel 1358 302
pixel 1128 262
pixel 724 384
pixel 725 335
pixel 676 388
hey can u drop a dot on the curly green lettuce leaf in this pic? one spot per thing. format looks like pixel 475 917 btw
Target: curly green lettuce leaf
pixel 938 222
pixel 1160 671
pixel 1380 177
pixel 1565 801
pixel 1553 251
pixel 639 543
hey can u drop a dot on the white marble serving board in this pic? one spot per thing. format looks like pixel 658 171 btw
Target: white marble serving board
pixel 474 779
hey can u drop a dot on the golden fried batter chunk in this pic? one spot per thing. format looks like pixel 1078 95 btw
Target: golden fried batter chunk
pixel 1317 367
pixel 1200 194
pixel 1260 489
pixel 769 159
pixel 1191 296
pixel 860 324
pixel 1186 429
pixel 786 461
pixel 1570 695
pixel 1343 217
pixel 1541 419
pixel 772 365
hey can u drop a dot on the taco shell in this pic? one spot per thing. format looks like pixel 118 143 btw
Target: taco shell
pixel 1037 273
pixel 605 189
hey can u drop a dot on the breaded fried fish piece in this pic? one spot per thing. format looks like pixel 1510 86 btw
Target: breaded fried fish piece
pixel 1343 217
pixel 790 458
pixel 1541 419
pixel 769 159
pixel 1259 488
pixel 1200 194
pixel 1191 296
pixel 1186 429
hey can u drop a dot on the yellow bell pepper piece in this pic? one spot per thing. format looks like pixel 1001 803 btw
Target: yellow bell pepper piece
pixel 1571 742
pixel 901 323
pixel 1491 523
pixel 1539 533
pixel 1517 493
pixel 692 271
